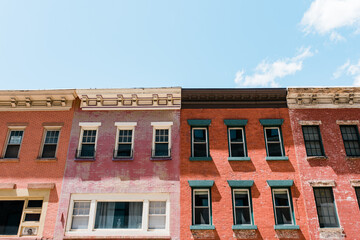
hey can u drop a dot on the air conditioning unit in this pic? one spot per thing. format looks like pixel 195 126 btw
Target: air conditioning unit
pixel 29 231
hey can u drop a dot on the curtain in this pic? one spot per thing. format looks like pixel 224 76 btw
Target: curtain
pixel 105 215
pixel 135 214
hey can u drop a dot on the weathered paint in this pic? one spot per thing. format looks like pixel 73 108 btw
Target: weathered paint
pixel 258 169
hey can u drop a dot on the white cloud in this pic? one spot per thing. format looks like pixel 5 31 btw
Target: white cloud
pixel 348 69
pixel 325 16
pixel 336 37
pixel 266 72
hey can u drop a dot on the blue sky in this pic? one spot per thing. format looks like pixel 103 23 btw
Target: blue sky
pixel 203 43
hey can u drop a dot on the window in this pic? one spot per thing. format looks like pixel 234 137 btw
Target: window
pixel 357 191
pixel 325 206
pixel 51 139
pixel 274 146
pixel 14 143
pixel 14 217
pixel 161 139
pixel 124 144
pixel 99 214
pixel 312 141
pixel 200 145
pixel 350 135
pixel 282 207
pixel 237 146
pixel 242 207
pixel 201 207
pixel 88 139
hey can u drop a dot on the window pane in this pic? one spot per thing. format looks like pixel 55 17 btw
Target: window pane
pixel 236 135
pixel 12 151
pixel 89 136
pixel 201 199
pixel 242 216
pixel 274 149
pixel 325 206
pixel 199 135
pixel 283 215
pixel 10 216
pixel 241 199
pixel 32 217
pixel 15 137
pixel 124 150
pixel 125 136
pixel 157 222
pixel 80 222
pixel 35 203
pixel 272 134
pixel 49 151
pixel 237 150
pixel 88 150
pixel 111 215
pixel 200 150
pixel 281 199
pixel 51 137
pixel 161 135
pixel 157 210
pixel 312 141
pixel 161 149
pixel 351 140
pixel 202 216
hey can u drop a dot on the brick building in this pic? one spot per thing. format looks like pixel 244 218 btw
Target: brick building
pixel 122 173
pixel 325 123
pixel 238 171
pixel 34 136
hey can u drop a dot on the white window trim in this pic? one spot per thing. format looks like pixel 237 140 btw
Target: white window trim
pixel 125 126
pixel 88 126
pixel 206 140
pixel 289 199
pixel 280 141
pixel 46 129
pixel 143 231
pixel 157 126
pixel 243 139
pixel 193 204
pixel 13 128
pixel 234 206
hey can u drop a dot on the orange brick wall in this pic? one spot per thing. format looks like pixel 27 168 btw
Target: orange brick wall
pixel 220 170
pixel 28 169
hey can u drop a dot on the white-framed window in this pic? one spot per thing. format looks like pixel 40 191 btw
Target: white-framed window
pixel 119 215
pixel 201 207
pixel 13 143
pixel 161 144
pixel 237 146
pixel 50 142
pixel 124 143
pixel 242 207
pixel 274 146
pixel 282 207
pixel 199 142
pixel 88 139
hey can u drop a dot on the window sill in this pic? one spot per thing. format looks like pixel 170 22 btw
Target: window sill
pixel 283 158
pixel 123 159
pixel 286 227
pixel 202 227
pixel 244 227
pixel 85 159
pixel 46 160
pixel 239 159
pixel 6 160
pixel 353 158
pixel 200 158
pixel 160 158
pixel 316 158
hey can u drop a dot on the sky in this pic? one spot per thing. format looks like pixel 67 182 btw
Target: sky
pixel 188 43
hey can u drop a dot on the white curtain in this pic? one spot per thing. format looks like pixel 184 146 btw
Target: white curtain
pixel 135 214
pixel 105 215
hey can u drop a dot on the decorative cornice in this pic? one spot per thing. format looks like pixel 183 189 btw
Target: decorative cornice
pixel 130 99
pixel 337 97
pixel 36 100
pixel 310 122
pixel 322 183
pixel 192 98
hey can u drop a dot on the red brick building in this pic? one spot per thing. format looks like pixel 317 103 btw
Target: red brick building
pixel 34 137
pixel 325 123
pixel 239 175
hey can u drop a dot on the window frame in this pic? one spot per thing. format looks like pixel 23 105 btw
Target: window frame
pixel 121 197
pixel 357 134
pixel 282 148
pixel 10 129
pixel 292 214
pixel 87 126
pixel 243 142
pixel 248 191
pixel 334 202
pixel 124 126
pixel 357 194
pixel 208 190
pixel 46 129
pixel 160 126
pixel 320 140
pixel 206 141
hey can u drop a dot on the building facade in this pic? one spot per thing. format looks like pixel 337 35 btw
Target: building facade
pixel 238 172
pixel 122 173
pixel 34 136
pixel 325 123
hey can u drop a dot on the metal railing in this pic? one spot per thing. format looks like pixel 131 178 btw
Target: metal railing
pixel 90 154
pixel 153 154
pixel 117 156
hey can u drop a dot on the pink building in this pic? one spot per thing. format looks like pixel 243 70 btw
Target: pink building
pixel 325 125
pixel 122 172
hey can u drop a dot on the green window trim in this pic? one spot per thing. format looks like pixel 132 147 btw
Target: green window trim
pixel 280 183
pixel 286 227
pixel 244 227
pixel 271 122
pixel 199 122
pixel 283 158
pixel 278 187
pixel 201 183
pixel 235 122
pixel 202 227
pixel 244 185
pixel 239 159
pixel 281 139
pixel 234 127
pixel 240 183
pixel 202 158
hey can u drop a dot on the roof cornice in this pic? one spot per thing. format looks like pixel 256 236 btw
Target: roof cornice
pixel 130 99
pixel 36 100
pixel 337 97
pixel 192 98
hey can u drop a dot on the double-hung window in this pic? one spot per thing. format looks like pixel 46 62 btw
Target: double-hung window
pixel 14 141
pixel 237 146
pixel 273 139
pixel 199 139
pixel 312 139
pixel 124 145
pixel 50 142
pixel 88 139
pixel 325 206
pixel 161 144
pixel 350 135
